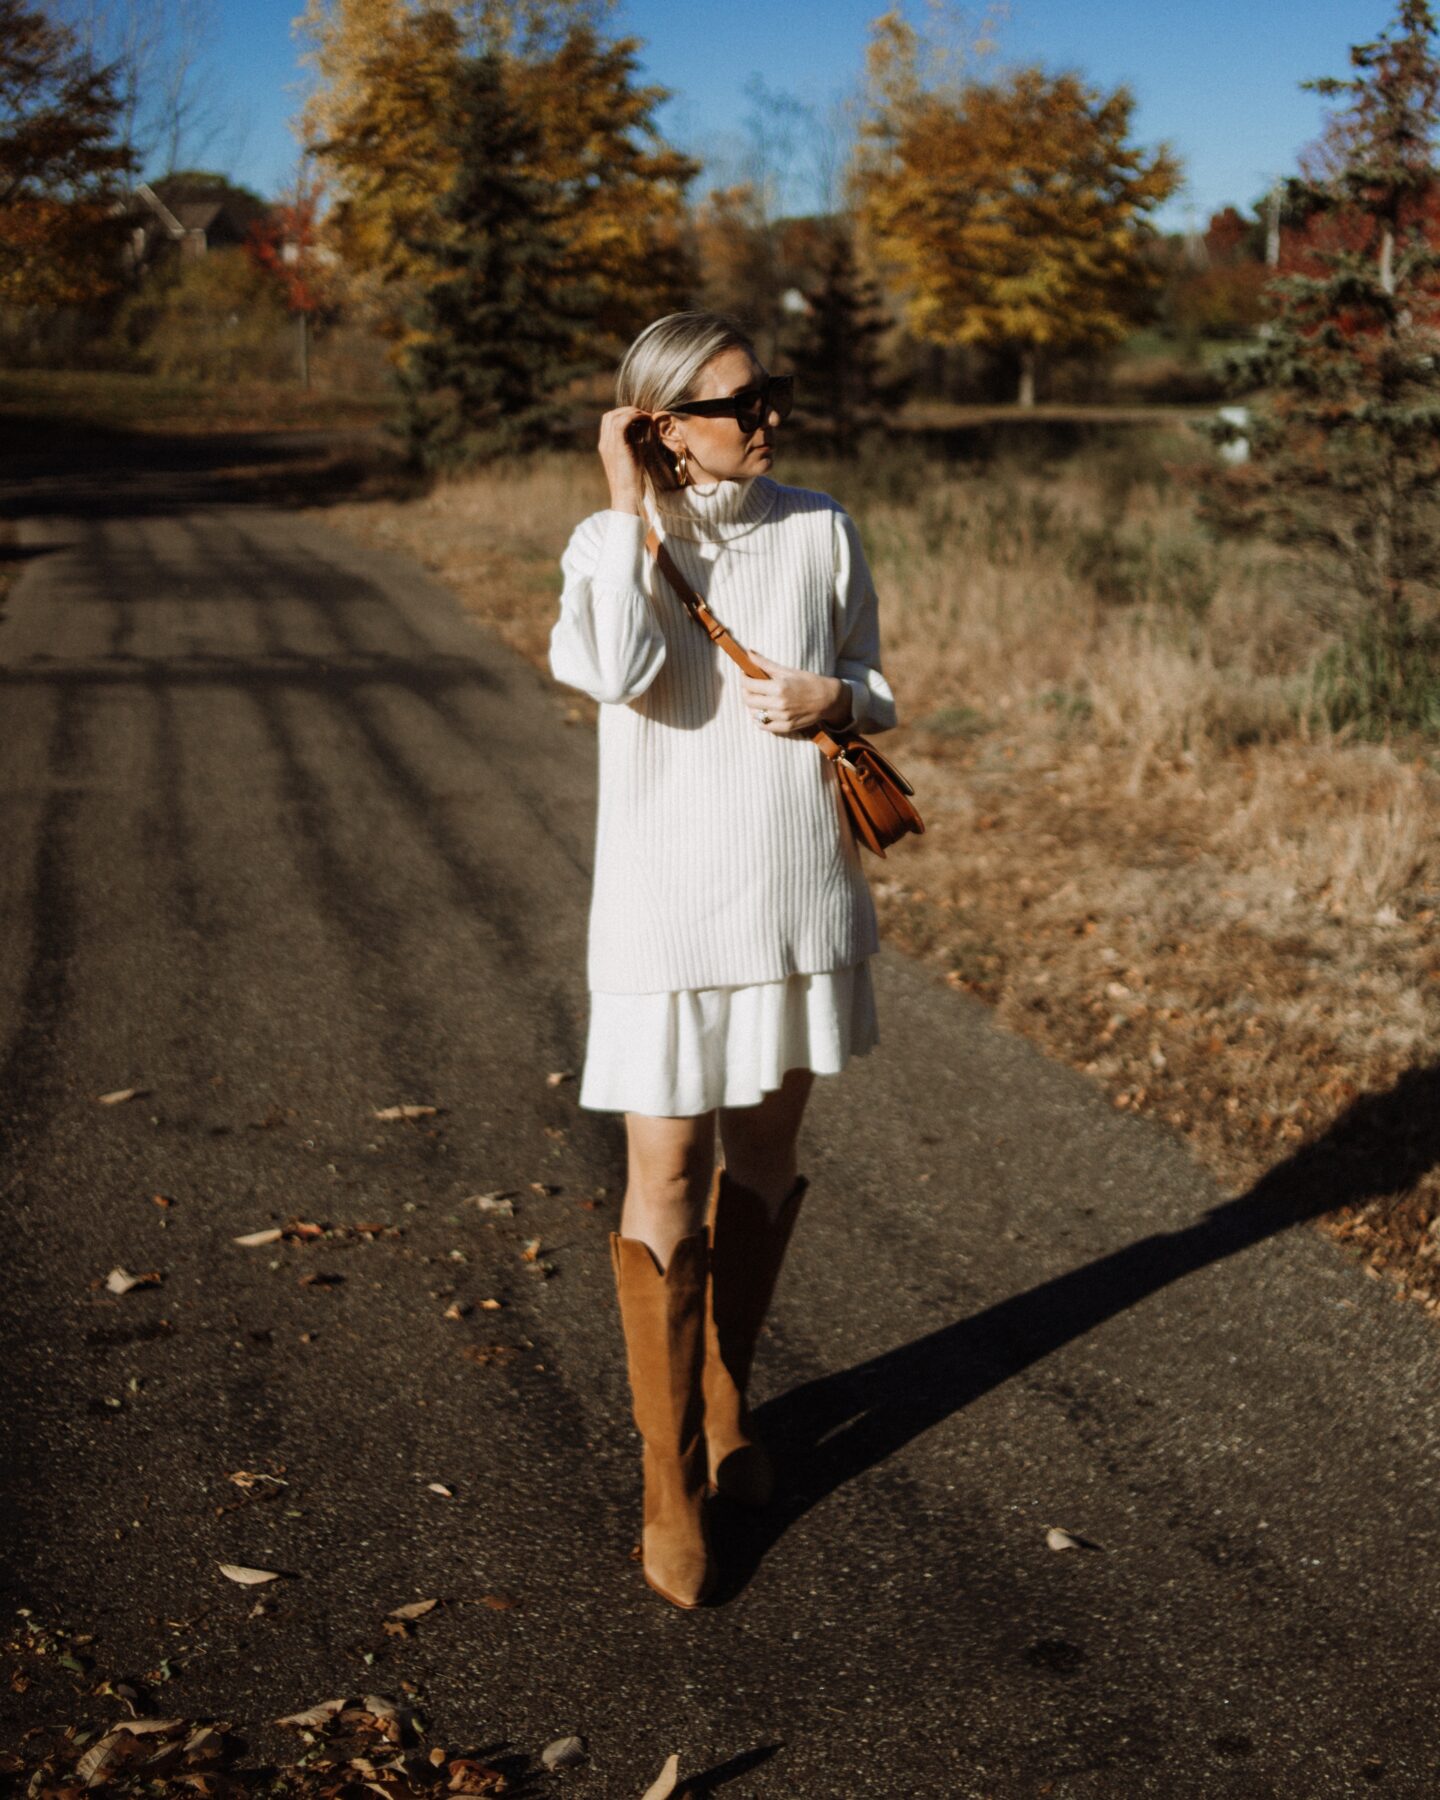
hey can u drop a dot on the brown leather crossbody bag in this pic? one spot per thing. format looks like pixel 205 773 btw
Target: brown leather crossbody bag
pixel 875 793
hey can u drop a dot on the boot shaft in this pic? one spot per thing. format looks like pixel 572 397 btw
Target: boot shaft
pixel 662 1314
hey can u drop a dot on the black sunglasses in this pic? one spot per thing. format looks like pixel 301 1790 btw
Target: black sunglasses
pixel 750 407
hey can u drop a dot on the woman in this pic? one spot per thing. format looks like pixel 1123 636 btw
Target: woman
pixel 730 922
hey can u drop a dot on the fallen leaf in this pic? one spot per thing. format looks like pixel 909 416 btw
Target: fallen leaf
pixel 245 1478
pixel 531 1250
pixel 253 1239
pixel 563 1752
pixel 498 1202
pixel 498 1602
pixel 120 1096
pixel 246 1577
pixel 125 1744
pixel 467 1776
pixel 406 1112
pixel 317 1279
pixel 314 1716
pixel 1059 1539
pixel 664 1784
pixel 160 1200
pixel 543 1187
pixel 439 1487
pixel 120 1281
pixel 492 1305
pixel 559 1078
pixel 416 1609
pixel 456 1310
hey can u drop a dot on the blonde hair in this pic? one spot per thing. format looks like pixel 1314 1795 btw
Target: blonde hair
pixel 661 368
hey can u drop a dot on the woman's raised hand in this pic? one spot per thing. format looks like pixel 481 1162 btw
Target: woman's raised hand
pixel 621 433
pixel 794 699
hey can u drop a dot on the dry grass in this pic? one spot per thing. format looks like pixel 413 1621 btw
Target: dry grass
pixel 1141 851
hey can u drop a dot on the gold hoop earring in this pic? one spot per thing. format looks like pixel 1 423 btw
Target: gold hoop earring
pixel 682 467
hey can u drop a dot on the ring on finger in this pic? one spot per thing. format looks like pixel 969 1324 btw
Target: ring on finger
pixel 764 718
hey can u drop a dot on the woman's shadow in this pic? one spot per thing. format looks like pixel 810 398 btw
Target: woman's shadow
pixel 830 1430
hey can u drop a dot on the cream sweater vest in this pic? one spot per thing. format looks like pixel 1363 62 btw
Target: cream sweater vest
pixel 722 856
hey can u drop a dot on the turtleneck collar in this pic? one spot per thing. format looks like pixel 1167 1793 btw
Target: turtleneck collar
pixel 715 513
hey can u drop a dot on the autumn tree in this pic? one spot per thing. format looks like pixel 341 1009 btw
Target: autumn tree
pixel 379 121
pixel 616 187
pixel 60 164
pixel 1344 428
pixel 1010 214
pixel 380 126
pixel 285 245
pixel 1225 295
pixel 734 257
pixel 494 333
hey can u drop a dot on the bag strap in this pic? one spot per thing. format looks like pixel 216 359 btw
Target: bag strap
pixel 720 635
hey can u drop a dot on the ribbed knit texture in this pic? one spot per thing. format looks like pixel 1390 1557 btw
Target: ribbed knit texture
pixel 722 856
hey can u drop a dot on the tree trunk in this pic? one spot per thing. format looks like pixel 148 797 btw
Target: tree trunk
pixel 1027 376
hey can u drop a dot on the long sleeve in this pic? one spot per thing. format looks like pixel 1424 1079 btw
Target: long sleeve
pixel 607 641
pixel 857 632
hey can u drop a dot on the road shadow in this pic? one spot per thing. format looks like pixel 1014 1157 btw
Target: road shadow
pixel 61 468
pixel 828 1431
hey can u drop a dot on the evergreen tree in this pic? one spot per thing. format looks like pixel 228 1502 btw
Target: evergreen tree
pixel 836 350
pixel 494 331
pixel 1344 456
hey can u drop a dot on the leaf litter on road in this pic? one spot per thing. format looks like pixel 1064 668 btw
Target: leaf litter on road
pixel 121 1281
pixel 416 1609
pixel 1058 1538
pixel 247 1577
pixel 351 1746
pixel 563 1752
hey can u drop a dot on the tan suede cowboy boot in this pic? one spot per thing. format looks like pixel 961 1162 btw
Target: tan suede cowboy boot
pixel 663 1317
pixel 746 1251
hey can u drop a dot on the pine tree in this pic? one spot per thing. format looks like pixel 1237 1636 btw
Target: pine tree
pixel 494 332
pixel 835 353
pixel 1344 390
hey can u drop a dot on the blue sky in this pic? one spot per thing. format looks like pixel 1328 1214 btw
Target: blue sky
pixel 1219 81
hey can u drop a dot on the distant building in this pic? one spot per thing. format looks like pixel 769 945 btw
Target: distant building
pixel 187 228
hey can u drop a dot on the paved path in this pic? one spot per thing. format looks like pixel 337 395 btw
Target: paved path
pixel 288 839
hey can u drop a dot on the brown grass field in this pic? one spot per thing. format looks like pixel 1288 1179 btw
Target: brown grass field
pixel 1142 852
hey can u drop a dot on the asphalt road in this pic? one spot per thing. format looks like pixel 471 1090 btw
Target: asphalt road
pixel 287 839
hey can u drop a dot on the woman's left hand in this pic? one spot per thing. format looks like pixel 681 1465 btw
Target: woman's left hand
pixel 794 699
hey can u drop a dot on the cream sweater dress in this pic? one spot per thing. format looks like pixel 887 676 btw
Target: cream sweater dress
pixel 730 920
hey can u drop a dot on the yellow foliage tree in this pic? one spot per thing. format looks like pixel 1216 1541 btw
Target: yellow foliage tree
pixel 386 76
pixel 621 186
pixel 1009 214
pixel 376 120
